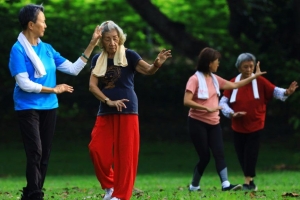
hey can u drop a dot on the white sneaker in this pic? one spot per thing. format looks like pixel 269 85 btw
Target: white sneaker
pixel 115 198
pixel 108 193
pixel 193 188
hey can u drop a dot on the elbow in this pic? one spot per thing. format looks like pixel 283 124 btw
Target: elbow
pixel 91 88
pixel 74 73
pixel 149 72
pixel 185 103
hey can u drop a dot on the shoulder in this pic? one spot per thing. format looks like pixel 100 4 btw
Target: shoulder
pixel 94 59
pixel 263 80
pixel 193 78
pixel 131 53
pixel 17 46
pixel 219 78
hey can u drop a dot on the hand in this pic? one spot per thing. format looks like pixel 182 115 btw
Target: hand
pixel 210 110
pixel 119 104
pixel 238 114
pixel 96 35
pixel 291 89
pixel 257 70
pixel 162 57
pixel 63 88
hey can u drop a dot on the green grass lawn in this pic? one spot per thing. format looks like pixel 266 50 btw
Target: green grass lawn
pixel 165 170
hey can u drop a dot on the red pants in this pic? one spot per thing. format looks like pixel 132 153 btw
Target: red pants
pixel 114 150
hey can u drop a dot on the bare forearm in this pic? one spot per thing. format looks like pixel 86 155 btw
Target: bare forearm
pixel 193 104
pixel 98 93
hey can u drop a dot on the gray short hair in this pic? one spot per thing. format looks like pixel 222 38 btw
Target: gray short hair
pixel 245 57
pixel 108 26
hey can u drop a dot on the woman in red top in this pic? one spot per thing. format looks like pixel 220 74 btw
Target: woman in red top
pixel 247 109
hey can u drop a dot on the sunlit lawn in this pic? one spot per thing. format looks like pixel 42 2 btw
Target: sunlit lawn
pixel 165 170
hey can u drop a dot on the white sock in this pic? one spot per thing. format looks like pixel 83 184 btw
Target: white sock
pixel 225 184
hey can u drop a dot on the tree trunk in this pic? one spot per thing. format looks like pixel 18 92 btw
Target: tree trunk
pixel 171 31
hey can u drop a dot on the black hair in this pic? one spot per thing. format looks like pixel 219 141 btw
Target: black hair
pixel 28 14
pixel 206 56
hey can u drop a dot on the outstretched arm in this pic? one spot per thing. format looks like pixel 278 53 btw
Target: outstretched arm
pixel 148 69
pixel 282 94
pixel 233 85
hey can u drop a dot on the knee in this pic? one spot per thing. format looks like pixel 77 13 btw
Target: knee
pixel 205 158
pixel 34 156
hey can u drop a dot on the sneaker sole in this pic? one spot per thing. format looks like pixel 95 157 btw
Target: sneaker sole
pixel 237 187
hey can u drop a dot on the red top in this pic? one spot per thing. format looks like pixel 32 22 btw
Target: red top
pixel 256 108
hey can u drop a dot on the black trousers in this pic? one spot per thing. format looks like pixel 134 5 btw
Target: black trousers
pixel 37 129
pixel 206 138
pixel 247 148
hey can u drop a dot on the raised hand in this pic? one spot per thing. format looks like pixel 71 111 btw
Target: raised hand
pixel 291 89
pixel 162 57
pixel 96 35
pixel 63 88
pixel 257 70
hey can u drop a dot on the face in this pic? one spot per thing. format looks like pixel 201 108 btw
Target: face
pixel 246 69
pixel 38 28
pixel 213 66
pixel 111 41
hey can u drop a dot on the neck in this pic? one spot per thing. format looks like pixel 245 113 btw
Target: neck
pixel 244 77
pixel 110 55
pixel 206 74
pixel 31 39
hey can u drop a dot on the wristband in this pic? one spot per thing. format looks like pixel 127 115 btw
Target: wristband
pixel 156 66
pixel 105 100
pixel 84 56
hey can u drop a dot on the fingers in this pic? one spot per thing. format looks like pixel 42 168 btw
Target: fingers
pixel 166 53
pixel 63 88
pixel 120 104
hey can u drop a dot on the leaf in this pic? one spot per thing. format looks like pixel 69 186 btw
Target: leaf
pixel 290 194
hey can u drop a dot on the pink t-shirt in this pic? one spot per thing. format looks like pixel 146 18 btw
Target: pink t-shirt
pixel 212 101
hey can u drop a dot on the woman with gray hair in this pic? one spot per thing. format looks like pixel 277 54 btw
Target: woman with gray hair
pixel 246 107
pixel 114 144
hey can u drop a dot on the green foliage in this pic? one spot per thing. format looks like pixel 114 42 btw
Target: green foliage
pixel 71 23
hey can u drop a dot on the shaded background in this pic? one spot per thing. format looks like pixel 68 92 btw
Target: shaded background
pixel 268 29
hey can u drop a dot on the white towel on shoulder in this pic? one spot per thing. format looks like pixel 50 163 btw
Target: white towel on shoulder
pixel 119 60
pixel 36 61
pixel 254 87
pixel 202 90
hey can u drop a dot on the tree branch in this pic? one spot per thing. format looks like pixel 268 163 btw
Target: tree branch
pixel 172 32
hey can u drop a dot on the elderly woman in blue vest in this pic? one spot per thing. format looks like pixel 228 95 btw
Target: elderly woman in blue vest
pixel 33 64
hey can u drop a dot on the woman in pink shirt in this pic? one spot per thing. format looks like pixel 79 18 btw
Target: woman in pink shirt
pixel 202 97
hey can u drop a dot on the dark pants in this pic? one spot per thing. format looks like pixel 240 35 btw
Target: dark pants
pixel 206 138
pixel 247 148
pixel 37 129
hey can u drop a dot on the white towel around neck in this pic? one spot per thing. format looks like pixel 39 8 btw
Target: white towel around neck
pixel 254 87
pixel 36 61
pixel 203 90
